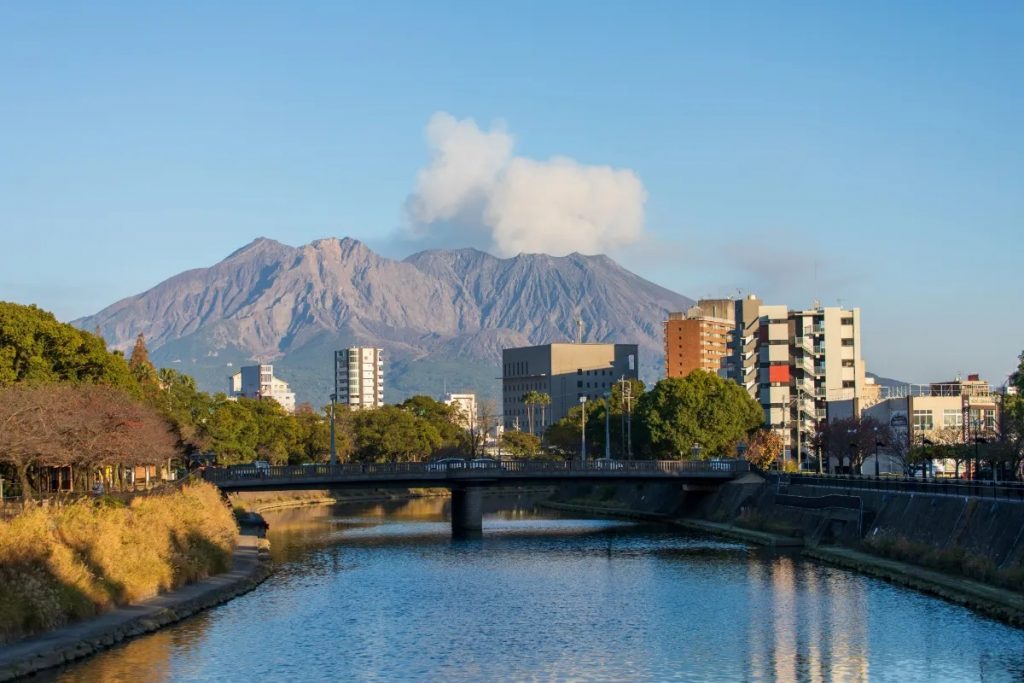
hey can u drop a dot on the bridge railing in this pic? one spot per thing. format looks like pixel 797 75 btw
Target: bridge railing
pixel 442 470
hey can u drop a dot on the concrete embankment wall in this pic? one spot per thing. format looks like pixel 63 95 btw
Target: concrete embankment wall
pixel 991 530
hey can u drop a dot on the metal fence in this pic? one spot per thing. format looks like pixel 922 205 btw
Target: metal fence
pixel 949 487
pixel 498 468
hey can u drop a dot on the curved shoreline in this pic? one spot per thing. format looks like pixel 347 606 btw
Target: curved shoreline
pixel 991 601
pixel 250 566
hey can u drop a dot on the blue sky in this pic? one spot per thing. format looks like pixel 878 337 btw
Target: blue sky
pixel 863 153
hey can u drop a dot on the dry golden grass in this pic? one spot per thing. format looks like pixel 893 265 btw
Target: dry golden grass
pixel 61 564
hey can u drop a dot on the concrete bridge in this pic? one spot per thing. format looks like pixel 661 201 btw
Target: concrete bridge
pixel 466 480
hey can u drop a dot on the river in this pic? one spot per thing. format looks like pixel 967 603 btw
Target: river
pixel 383 593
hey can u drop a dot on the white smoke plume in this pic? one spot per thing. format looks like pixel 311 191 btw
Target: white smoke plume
pixel 474 183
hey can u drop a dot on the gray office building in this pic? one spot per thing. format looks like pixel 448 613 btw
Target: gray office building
pixel 565 372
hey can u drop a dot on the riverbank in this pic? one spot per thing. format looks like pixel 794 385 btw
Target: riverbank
pixel 260 502
pixel 250 566
pixel 992 601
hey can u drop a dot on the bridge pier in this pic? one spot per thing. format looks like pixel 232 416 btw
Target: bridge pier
pixel 467 511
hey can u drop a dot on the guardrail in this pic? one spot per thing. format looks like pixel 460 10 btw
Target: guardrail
pixel 950 487
pixel 498 468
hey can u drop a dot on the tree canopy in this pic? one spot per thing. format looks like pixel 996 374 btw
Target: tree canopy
pixel 700 408
pixel 36 348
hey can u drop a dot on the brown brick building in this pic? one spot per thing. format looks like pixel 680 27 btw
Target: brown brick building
pixel 698 339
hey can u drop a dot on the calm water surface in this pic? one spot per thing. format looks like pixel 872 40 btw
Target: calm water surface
pixel 382 593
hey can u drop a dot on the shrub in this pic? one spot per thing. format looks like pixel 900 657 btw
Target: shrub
pixel 62 564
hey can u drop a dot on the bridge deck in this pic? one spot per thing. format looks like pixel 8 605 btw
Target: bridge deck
pixel 505 472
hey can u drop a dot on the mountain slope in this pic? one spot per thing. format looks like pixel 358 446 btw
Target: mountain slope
pixel 442 316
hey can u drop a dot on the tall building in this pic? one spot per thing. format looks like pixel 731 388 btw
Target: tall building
pixel 566 373
pixel 359 377
pixel 794 362
pixel 465 405
pixel 698 338
pixel 258 381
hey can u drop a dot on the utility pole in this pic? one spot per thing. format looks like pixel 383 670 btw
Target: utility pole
pixel 334 445
pixel 629 420
pixel 622 417
pixel 799 428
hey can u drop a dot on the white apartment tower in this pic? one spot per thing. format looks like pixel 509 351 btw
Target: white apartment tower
pixel 359 377
pixel 258 381
pixel 794 362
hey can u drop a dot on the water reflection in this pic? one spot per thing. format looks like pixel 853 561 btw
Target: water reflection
pixel 382 593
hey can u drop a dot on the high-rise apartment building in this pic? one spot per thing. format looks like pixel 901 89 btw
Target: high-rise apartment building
pixel 794 362
pixel 359 377
pixel 258 381
pixel 566 373
pixel 698 339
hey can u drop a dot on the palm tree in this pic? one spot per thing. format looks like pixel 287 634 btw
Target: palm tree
pixel 543 400
pixel 530 398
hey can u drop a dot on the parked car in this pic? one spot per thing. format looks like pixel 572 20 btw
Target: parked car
pixel 484 464
pixel 606 464
pixel 445 464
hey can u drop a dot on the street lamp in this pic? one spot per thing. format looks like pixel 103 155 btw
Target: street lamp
pixel 878 442
pixel 854 448
pixel 583 430
pixel 925 443
pixel 334 445
pixel 741 449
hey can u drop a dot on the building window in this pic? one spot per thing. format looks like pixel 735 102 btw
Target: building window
pixel 846 321
pixel 579 371
pixel 923 420
pixel 847 384
pixel 847 362
pixel 952 417
pixel 579 385
pixel 847 342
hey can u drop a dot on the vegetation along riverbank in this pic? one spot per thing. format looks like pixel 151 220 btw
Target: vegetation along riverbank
pixel 63 563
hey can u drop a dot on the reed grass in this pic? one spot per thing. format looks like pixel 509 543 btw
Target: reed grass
pixel 62 564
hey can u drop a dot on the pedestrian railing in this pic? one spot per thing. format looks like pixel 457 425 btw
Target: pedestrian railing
pixel 486 468
pixel 951 487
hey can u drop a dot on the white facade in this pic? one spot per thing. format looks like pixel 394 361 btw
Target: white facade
pixel 465 404
pixel 359 377
pixel 794 362
pixel 258 381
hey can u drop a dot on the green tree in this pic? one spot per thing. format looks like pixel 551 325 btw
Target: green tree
pixel 231 431
pixel 564 436
pixel 142 368
pixel 36 348
pixel 187 408
pixel 441 416
pixel 700 408
pixel 392 434
pixel 520 444
pixel 312 436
